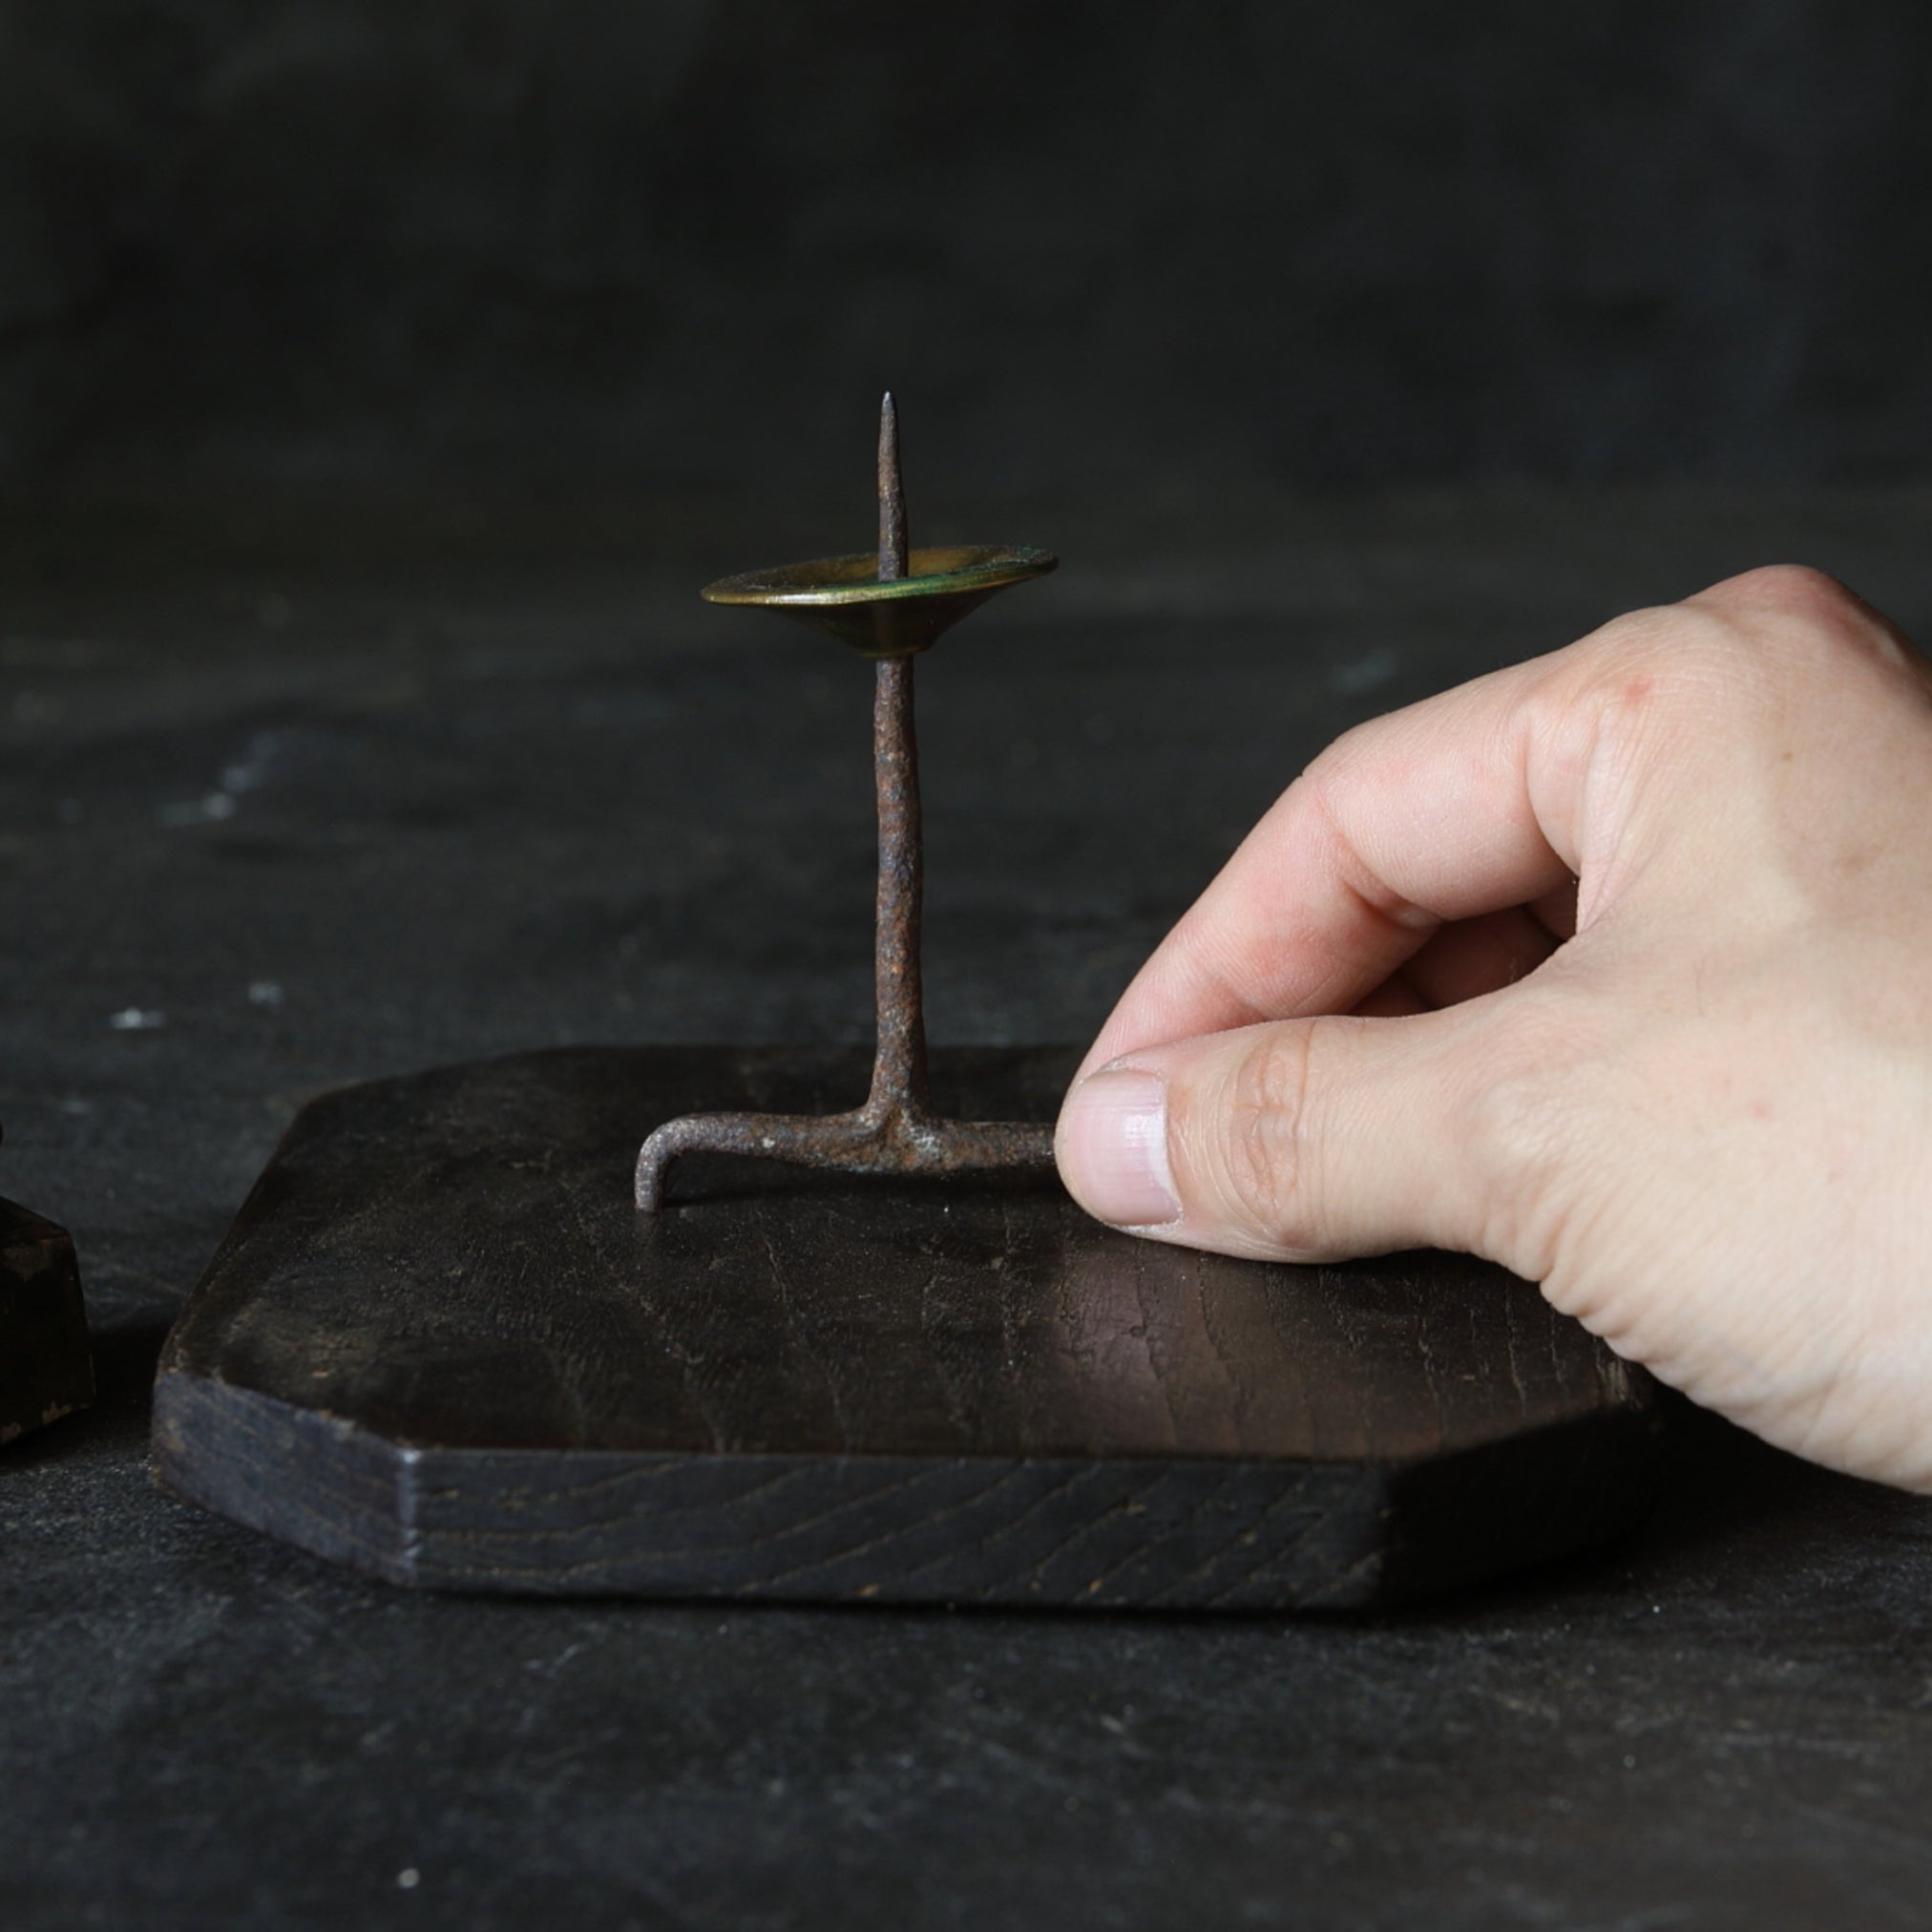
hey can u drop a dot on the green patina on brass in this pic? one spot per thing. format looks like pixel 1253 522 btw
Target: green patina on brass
pixel 889 604
pixel 885 617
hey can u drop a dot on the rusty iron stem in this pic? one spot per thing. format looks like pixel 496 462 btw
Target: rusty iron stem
pixel 897 1131
pixel 900 1059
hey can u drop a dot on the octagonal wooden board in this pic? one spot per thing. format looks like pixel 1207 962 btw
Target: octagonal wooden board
pixel 439 1344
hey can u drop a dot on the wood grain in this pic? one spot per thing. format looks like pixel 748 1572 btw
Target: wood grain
pixel 440 1345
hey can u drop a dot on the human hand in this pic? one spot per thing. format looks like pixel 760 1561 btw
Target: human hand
pixel 1614 967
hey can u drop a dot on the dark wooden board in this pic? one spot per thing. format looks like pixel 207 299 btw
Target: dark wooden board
pixel 45 1370
pixel 440 1345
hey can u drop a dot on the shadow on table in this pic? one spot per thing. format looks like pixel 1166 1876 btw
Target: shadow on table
pixel 1731 1508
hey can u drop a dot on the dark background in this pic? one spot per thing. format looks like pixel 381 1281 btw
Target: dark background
pixel 378 380
pixel 574 246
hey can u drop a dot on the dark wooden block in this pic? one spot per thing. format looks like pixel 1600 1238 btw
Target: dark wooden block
pixel 440 1345
pixel 45 1370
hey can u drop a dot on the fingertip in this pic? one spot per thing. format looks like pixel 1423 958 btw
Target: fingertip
pixel 1297 1141
pixel 1111 1144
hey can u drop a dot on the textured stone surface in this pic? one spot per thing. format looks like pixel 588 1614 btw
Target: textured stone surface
pixel 325 821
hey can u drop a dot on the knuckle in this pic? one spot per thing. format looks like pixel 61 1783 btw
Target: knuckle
pixel 1733 637
pixel 1653 658
pixel 1646 675
pixel 1789 589
pixel 1705 668
pixel 1798 621
pixel 1635 633
pixel 1259 1157
pixel 1670 646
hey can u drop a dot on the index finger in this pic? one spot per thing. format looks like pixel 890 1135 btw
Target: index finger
pixel 1460 805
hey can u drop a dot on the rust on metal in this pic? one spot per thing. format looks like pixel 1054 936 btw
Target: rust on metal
pixel 890 616
pixel 893 554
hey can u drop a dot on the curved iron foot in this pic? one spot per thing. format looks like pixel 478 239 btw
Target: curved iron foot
pixel 859 1143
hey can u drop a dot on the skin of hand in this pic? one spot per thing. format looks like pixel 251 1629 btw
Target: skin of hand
pixel 1614 967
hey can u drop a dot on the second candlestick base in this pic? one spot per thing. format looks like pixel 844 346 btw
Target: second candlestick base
pixel 45 1370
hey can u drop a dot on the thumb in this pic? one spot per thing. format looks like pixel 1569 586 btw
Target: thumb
pixel 1302 1140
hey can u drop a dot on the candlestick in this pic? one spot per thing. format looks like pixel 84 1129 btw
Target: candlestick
pixel 890 607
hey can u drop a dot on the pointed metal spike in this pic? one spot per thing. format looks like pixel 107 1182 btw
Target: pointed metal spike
pixel 894 552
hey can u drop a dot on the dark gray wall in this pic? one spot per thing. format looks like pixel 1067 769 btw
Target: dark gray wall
pixel 586 244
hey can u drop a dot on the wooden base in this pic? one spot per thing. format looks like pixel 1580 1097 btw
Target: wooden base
pixel 45 1370
pixel 440 1344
